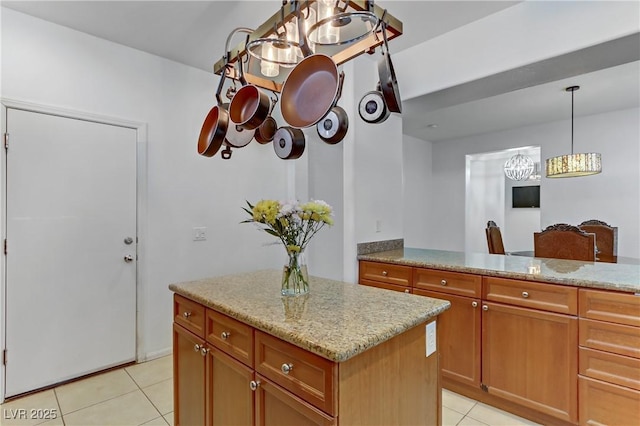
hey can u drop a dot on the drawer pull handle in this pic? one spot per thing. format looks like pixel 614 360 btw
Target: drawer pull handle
pixel 485 308
pixel 254 384
pixel 225 335
pixel 286 368
pixel 525 294
pixel 196 348
pixel 186 314
pixel 474 304
pixel 407 291
pixel 443 282
pixel 385 273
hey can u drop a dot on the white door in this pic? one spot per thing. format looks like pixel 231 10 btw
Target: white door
pixel 71 203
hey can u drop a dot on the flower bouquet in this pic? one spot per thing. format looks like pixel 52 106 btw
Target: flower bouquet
pixel 294 224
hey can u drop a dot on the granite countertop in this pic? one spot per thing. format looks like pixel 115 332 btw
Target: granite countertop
pixel 335 320
pixel 608 276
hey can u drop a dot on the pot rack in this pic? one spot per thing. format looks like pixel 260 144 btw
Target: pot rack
pixel 288 12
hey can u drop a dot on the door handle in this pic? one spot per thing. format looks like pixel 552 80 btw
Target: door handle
pixel 128 258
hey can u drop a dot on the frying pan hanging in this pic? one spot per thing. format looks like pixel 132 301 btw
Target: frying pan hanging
pixel 372 107
pixel 214 128
pixel 387 74
pixel 289 143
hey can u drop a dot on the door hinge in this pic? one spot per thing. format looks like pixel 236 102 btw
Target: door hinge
pixel 484 387
pixel 4 357
pixel 6 141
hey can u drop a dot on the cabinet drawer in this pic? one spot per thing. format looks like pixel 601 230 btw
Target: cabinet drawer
pixel 189 314
pixel 448 282
pixel 386 286
pixel 386 273
pixel 621 308
pixel 230 336
pixel 307 375
pixel 606 404
pixel 605 336
pixel 612 368
pixel 547 297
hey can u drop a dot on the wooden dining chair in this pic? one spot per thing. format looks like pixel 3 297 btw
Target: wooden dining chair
pixel 494 238
pixel 563 241
pixel 606 239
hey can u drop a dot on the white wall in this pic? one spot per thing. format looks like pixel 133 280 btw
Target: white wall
pixel 52 65
pixel 612 196
pixel 525 33
pixel 417 159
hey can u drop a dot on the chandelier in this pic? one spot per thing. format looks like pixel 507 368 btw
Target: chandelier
pixel 519 167
pixel 574 165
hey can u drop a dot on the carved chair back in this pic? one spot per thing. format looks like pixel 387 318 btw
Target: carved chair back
pixel 606 238
pixel 563 241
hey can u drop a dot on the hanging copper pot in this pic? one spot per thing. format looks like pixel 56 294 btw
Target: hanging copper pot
pixel 214 128
pixel 372 107
pixel 249 107
pixel 266 131
pixel 388 80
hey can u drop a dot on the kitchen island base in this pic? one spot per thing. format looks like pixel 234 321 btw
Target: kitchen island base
pixel 326 365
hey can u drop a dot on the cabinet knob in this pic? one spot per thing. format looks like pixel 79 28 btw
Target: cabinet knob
pixel 254 384
pixel 485 308
pixel 196 348
pixel 474 304
pixel 225 335
pixel 525 294
pixel 186 314
pixel 286 368
pixel 385 273
pixel 407 291
pixel 443 282
pixel 203 350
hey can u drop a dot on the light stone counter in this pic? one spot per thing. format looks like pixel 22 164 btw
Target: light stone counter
pixel 335 320
pixel 608 276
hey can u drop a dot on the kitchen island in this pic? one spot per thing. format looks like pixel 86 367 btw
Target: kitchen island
pixel 556 341
pixel 343 354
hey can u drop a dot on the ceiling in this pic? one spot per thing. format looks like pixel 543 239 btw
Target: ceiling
pixel 194 33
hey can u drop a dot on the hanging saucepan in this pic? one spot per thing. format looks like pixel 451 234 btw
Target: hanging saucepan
pixel 372 107
pixel 388 80
pixel 309 91
pixel 288 143
pixel 214 128
pixel 250 106
pixel 333 127
pixel 237 137
pixel 266 131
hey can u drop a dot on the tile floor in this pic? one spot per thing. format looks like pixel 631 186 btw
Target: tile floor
pixel 142 394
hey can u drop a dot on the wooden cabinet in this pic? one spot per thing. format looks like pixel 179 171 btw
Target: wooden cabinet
pixel 189 379
pixel 460 326
pixel 609 362
pixel 529 357
pixel 387 276
pixel 235 374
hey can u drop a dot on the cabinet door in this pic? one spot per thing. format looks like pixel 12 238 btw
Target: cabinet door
pixel 231 396
pixel 530 357
pixel 459 330
pixel 188 378
pixel 277 407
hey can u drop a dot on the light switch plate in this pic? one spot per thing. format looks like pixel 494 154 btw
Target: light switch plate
pixel 431 337
pixel 200 234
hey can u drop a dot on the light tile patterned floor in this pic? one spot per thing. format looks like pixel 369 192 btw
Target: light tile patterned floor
pixel 142 394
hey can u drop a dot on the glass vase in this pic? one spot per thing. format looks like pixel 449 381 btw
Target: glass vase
pixel 295 278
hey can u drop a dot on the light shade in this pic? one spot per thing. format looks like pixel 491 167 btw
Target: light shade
pixel 518 167
pixel 574 165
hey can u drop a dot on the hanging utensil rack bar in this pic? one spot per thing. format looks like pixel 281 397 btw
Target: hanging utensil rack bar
pixel 366 45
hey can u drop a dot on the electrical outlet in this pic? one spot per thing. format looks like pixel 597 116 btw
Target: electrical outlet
pixel 431 337
pixel 200 234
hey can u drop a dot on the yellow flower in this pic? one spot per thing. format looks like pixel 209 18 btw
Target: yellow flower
pixel 265 211
pixel 293 249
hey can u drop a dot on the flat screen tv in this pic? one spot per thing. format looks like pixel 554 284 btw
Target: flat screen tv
pixel 526 196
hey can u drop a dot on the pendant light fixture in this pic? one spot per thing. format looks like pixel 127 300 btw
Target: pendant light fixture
pixel 519 167
pixel 574 165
